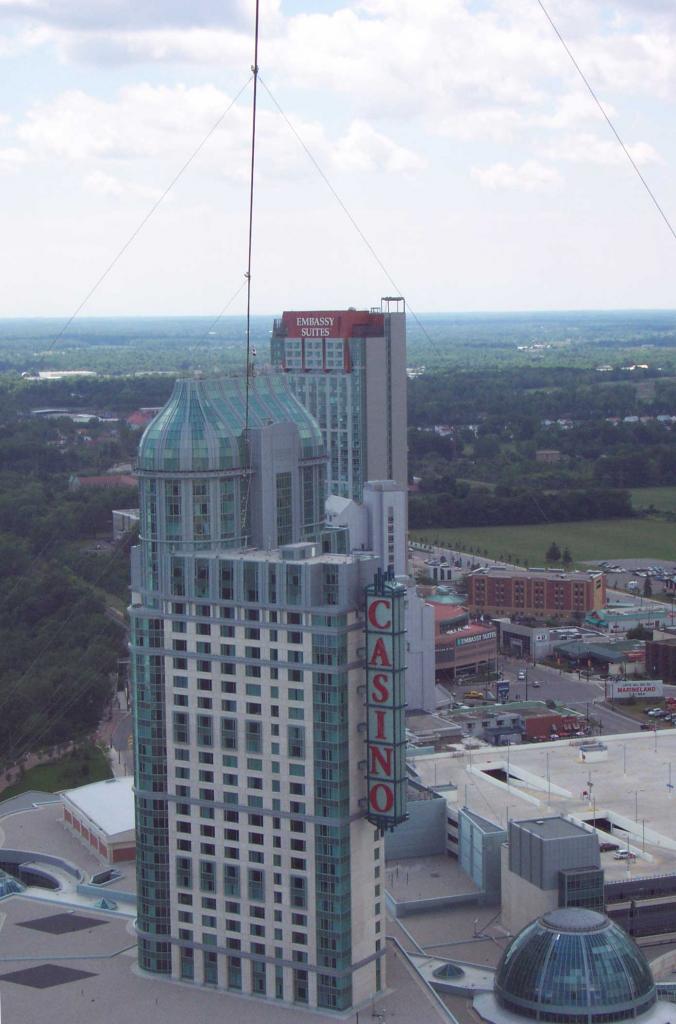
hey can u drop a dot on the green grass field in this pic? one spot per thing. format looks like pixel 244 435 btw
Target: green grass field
pixel 663 498
pixel 89 764
pixel 600 539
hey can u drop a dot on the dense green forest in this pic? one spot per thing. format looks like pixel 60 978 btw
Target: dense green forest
pixel 58 649
pixel 609 431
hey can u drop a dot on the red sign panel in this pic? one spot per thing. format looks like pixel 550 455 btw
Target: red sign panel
pixel 385 703
pixel 346 323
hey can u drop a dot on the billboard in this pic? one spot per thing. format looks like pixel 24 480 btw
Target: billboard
pixel 476 638
pixel 502 690
pixel 331 323
pixel 385 702
pixel 624 690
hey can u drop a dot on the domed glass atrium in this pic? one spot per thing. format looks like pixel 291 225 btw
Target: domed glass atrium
pixel 574 966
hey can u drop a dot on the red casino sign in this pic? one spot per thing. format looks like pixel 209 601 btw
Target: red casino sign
pixel 385 702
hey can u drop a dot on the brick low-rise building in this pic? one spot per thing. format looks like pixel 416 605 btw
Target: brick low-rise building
pixel 660 659
pixel 462 649
pixel 537 593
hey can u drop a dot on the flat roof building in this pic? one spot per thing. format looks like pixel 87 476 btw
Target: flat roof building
pixel 101 815
pixel 540 593
pixel 348 368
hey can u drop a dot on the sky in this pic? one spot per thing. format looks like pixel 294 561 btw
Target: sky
pixel 456 132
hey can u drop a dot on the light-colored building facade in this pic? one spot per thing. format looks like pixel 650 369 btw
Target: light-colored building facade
pixel 549 862
pixel 378 525
pixel 257 869
pixel 348 368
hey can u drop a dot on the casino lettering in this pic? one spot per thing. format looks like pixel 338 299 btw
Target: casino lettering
pixel 385 682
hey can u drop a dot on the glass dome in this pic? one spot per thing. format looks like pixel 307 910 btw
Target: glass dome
pixel 449 971
pixel 200 427
pixel 9 884
pixel 574 965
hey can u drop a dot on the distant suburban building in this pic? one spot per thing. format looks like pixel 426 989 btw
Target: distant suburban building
pixel 621 619
pixel 438 570
pixel 75 483
pixel 602 655
pixel 140 419
pixel 539 593
pixel 124 521
pixel 548 455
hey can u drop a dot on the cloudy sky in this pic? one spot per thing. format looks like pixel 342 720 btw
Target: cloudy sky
pixel 456 131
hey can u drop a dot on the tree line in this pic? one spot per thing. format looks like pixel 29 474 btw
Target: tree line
pixel 483 508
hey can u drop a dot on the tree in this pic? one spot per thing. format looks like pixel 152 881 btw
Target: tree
pixel 566 557
pixel 639 633
pixel 553 552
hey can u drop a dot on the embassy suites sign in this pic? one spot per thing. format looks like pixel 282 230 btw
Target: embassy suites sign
pixel 385 702
pixel 332 323
pixel 315 326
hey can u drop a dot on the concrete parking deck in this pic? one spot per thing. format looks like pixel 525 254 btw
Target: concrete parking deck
pixel 630 790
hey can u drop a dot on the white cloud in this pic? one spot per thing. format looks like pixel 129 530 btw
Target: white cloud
pixel 114 187
pixel 12 158
pixel 363 149
pixel 94 15
pixel 587 148
pixel 159 123
pixel 491 73
pixel 530 176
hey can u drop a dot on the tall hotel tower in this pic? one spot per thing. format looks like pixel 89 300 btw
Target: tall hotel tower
pixel 259 818
pixel 348 368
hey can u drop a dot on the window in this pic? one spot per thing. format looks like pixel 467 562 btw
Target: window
pixel 231 879
pixel 201 577
pixel 300 987
pixel 254 735
pixel 251 592
pixel 205 735
pixel 258 971
pixel 229 733
pixel 296 741
pixel 298 892
pixel 207 876
pixel 184 872
pixel 181 727
pixel 235 973
pixel 256 884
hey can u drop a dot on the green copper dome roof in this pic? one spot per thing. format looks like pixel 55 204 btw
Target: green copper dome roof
pixel 200 427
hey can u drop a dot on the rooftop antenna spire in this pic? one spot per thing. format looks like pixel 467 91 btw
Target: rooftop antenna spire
pixel 250 354
pixel 254 71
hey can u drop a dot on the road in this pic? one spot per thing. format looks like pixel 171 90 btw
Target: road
pixel 576 693
pixel 121 742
